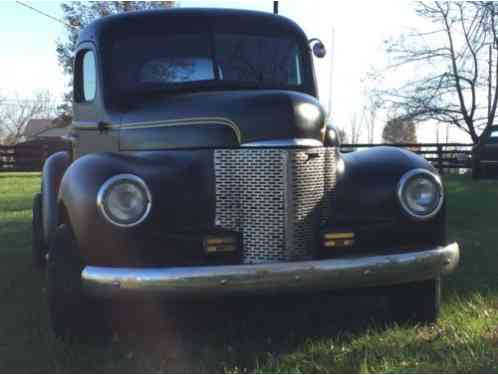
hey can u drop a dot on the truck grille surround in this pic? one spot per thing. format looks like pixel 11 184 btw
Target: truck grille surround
pixel 276 198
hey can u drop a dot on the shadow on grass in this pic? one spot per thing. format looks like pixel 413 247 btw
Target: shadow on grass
pixel 236 332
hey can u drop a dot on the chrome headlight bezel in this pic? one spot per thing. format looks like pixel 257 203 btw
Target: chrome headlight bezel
pixel 431 176
pixel 111 183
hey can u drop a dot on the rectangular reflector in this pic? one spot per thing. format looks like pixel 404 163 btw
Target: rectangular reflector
pixel 337 236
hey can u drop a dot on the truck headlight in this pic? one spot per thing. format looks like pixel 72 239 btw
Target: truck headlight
pixel 420 193
pixel 124 200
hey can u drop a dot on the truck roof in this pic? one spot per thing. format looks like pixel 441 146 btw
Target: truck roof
pixel 192 20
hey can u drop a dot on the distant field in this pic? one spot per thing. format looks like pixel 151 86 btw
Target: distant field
pixel 314 334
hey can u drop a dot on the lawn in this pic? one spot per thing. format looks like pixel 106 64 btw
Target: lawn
pixel 305 334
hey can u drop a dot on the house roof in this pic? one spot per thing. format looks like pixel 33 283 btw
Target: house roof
pixel 35 126
pixel 53 133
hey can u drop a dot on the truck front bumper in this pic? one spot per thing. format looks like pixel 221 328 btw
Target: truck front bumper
pixel 331 274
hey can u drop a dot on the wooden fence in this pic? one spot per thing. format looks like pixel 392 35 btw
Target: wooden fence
pixel 29 156
pixel 445 157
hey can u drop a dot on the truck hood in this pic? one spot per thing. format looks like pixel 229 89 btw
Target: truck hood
pixel 220 119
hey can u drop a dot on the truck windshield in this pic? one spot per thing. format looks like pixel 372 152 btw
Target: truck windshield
pixel 142 62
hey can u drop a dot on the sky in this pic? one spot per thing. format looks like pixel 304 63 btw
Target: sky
pixel 353 32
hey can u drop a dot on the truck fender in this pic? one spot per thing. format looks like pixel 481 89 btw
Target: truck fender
pixel 53 171
pixel 374 175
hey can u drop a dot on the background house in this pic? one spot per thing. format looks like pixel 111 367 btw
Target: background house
pixel 51 133
pixel 43 129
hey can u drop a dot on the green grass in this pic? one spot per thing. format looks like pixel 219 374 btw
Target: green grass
pixel 305 334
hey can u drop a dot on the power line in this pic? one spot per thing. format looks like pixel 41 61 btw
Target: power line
pixel 46 15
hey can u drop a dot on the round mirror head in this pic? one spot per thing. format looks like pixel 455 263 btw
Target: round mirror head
pixel 319 49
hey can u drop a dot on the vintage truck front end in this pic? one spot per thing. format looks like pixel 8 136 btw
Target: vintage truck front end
pixel 206 168
pixel 265 219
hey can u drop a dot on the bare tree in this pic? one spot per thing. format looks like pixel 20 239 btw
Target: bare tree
pixel 370 113
pixel 373 102
pixel 455 64
pixel 343 138
pixel 356 129
pixel 15 116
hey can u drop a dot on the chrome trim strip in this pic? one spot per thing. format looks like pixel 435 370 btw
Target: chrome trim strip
pixel 166 123
pixel 291 142
pixel 489 162
pixel 401 186
pixel 341 273
pixel 89 125
pixel 186 122
pixel 113 180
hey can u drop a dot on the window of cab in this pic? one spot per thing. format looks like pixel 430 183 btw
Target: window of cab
pixel 86 76
pixel 492 135
pixel 236 60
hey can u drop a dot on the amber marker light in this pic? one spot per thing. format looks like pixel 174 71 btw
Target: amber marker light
pixel 338 239
pixel 220 243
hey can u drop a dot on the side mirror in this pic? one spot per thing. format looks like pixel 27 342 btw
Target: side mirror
pixel 317 47
pixel 332 137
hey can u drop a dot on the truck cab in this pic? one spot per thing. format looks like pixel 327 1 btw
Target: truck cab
pixel 237 68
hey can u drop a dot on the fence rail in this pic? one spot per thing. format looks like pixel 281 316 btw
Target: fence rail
pixel 446 157
pixel 29 156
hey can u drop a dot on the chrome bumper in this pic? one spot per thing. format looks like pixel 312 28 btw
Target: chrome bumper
pixel 342 273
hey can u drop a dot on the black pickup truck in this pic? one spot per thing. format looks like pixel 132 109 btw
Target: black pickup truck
pixel 202 165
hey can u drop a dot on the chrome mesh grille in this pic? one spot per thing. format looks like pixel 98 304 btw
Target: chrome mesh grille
pixel 330 172
pixel 305 193
pixel 274 198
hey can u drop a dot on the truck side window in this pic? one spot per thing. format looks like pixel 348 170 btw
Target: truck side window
pixel 89 76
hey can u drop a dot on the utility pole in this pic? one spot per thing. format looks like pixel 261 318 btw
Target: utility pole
pixel 275 7
pixel 331 76
pixel 489 83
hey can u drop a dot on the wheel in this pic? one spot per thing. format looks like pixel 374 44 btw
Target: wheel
pixel 38 247
pixel 476 171
pixel 416 303
pixel 73 315
pixel 483 172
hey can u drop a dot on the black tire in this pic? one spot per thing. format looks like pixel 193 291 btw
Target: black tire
pixel 38 247
pixel 415 303
pixel 73 315
pixel 476 171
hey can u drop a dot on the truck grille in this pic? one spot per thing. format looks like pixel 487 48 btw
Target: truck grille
pixel 276 198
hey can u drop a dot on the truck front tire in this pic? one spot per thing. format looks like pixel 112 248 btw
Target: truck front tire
pixel 416 303
pixel 73 315
pixel 38 247
pixel 476 172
